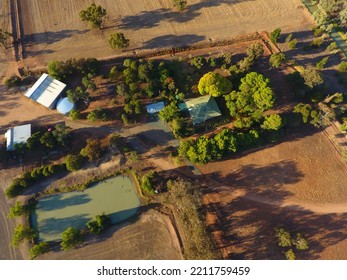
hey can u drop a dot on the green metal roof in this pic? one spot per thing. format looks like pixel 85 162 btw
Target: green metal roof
pixel 202 108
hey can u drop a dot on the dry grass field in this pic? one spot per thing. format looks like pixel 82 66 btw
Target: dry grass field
pixel 53 29
pixel 152 236
pixel 298 184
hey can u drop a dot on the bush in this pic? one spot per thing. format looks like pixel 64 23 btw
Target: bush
pixel 321 64
pixel 275 35
pixel 70 238
pixel 99 224
pixel 343 66
pixel 198 62
pixel 292 44
pixel 73 162
pixel 92 150
pixel 39 249
pixel 17 210
pixel 290 255
pixel 75 114
pixel 147 182
pixel 13 81
pixel 21 233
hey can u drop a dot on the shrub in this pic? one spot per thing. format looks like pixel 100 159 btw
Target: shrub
pixel 292 44
pixel 13 81
pixel 275 35
pixel 343 66
pixel 147 182
pixel 70 238
pixel 290 255
pixel 75 114
pixel 21 233
pixel 92 150
pixel 17 210
pixel 39 249
pixel 73 162
pixel 99 224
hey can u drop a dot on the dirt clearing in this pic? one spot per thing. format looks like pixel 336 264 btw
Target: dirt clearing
pixel 297 184
pixel 151 237
pixel 53 29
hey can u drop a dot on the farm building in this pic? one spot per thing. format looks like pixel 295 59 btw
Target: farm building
pixel 64 106
pixel 46 91
pixel 16 135
pixel 201 109
pixel 155 107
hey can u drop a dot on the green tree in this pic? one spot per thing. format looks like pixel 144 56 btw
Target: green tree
pixel 169 113
pixel 277 59
pixel 70 238
pixel 254 97
pixel 75 114
pixel 93 14
pixel 22 232
pixel 284 238
pixel 48 140
pixel 198 62
pixel 180 4
pixel 17 210
pixel 343 66
pixel 290 255
pixel 39 249
pixel 77 94
pixel 118 41
pixel 272 122
pixel 147 181
pixel 92 150
pixel 275 35
pixel 73 162
pixel 292 44
pixel 255 50
pixel 321 64
pixel 99 224
pixel 304 110
pixel 300 242
pixel 214 84
pixel 312 77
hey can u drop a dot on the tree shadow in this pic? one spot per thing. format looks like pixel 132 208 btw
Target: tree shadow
pixel 150 19
pixel 168 41
pixel 50 37
pixel 246 206
pixel 55 202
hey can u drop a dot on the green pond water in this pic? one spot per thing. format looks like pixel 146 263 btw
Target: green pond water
pixel 115 197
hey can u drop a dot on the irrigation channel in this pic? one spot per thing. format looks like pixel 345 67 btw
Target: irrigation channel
pixel 115 197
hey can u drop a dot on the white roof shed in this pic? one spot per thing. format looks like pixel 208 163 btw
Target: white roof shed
pixel 46 91
pixel 16 135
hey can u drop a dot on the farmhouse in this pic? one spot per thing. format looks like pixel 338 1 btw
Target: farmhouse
pixel 16 135
pixel 201 109
pixel 46 91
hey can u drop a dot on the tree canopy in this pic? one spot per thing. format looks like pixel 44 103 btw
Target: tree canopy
pixel 253 97
pixel 214 84
pixel 94 14
pixel 70 238
pixel 118 41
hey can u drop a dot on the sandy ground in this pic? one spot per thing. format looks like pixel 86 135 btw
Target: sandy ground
pixel 152 236
pixel 53 29
pixel 296 184
pixel 16 109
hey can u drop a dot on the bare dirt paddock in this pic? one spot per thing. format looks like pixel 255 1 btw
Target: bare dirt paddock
pixel 53 29
pixel 298 185
pixel 151 237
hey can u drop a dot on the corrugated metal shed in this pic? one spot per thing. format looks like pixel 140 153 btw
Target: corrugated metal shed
pixel 64 106
pixel 46 91
pixel 202 108
pixel 155 107
pixel 16 135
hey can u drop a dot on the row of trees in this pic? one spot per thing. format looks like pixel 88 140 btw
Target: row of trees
pixel 205 149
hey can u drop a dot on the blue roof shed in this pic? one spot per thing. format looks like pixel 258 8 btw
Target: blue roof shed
pixel 64 106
